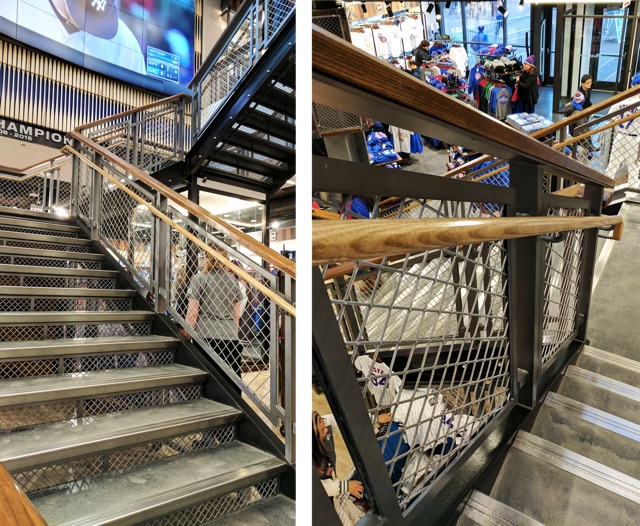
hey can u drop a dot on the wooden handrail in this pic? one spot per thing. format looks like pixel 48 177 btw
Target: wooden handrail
pixel 17 509
pixel 126 113
pixel 194 239
pixel 35 174
pixel 266 253
pixel 464 167
pixel 592 110
pixel 342 241
pixel 324 214
pixel 385 93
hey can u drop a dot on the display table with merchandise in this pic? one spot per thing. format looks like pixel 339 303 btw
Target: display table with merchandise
pixel 528 122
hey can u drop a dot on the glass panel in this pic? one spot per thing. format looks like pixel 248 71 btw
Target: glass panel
pixel 552 44
pixel 606 37
pixel 518 25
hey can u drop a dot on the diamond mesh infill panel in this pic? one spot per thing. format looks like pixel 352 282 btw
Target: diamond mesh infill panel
pixel 220 506
pixel 76 475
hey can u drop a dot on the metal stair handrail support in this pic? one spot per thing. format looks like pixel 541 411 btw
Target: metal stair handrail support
pixel 250 32
pixel 160 237
pixel 481 328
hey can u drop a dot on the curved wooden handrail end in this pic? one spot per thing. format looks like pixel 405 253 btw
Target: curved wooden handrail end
pixel 346 241
pixel 617 231
pixel 16 507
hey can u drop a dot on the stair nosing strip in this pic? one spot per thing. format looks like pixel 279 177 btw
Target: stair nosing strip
pixel 496 512
pixel 593 415
pixel 132 437
pixel 23 212
pixel 615 359
pixel 40 225
pixel 603 382
pixel 579 465
pixel 185 496
pixel 44 317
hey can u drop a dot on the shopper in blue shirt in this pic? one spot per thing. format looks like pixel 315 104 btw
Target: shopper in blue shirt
pixel 480 39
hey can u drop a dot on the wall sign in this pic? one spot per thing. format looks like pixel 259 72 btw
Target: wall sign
pixel 32 134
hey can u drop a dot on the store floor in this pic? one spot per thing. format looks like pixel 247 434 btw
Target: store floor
pixel 431 161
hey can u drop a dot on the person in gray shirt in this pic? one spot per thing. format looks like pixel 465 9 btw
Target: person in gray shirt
pixel 214 310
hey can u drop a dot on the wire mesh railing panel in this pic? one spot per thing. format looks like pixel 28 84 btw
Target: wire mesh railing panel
pixel 84 176
pixel 231 319
pixel 562 281
pixel 230 68
pixel 220 506
pixel 277 12
pixel 429 335
pixel 128 230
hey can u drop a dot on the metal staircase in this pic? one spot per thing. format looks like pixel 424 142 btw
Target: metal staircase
pixel 106 416
pixel 244 102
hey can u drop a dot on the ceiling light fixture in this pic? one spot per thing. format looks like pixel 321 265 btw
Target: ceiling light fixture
pixel 447 5
pixel 521 5
pixel 389 10
pixel 504 11
pixel 429 8
pixel 363 6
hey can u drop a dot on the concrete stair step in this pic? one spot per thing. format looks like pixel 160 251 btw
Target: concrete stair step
pixel 158 489
pixel 56 443
pixel 601 393
pixel 567 429
pixel 31 214
pixel 32 224
pixel 535 480
pixel 277 510
pixel 84 346
pixel 482 510
pixel 610 365
pixel 32 391
pixel 49 239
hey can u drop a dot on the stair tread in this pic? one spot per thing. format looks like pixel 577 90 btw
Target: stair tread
pixel 35 389
pixel 51 254
pixel 277 510
pixel 20 212
pixel 30 318
pixel 59 291
pixel 44 238
pixel 20 449
pixel 68 346
pixel 57 271
pixel 39 225
pixel 580 436
pixel 551 495
pixel 159 487
pixel 482 510
pixel 600 398
pixel 610 365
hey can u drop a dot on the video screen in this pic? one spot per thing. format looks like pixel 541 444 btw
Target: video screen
pixel 148 43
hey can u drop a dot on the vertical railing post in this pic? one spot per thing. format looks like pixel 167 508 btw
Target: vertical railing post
pixel 134 139
pixel 526 284
pixel 290 374
pixel 96 193
pixel 75 185
pixel 180 131
pixel 594 194
pixel 162 257
pixel 336 374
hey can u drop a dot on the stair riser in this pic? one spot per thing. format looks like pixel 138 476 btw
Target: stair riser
pixel 50 262
pixel 83 363
pixel 71 475
pixel 64 304
pixel 18 280
pixel 222 506
pixel 56 331
pixel 91 405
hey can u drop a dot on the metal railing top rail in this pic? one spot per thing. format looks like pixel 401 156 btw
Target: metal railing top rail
pixel 385 93
pixel 132 111
pixel 345 241
pixel 200 212
pixel 17 509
